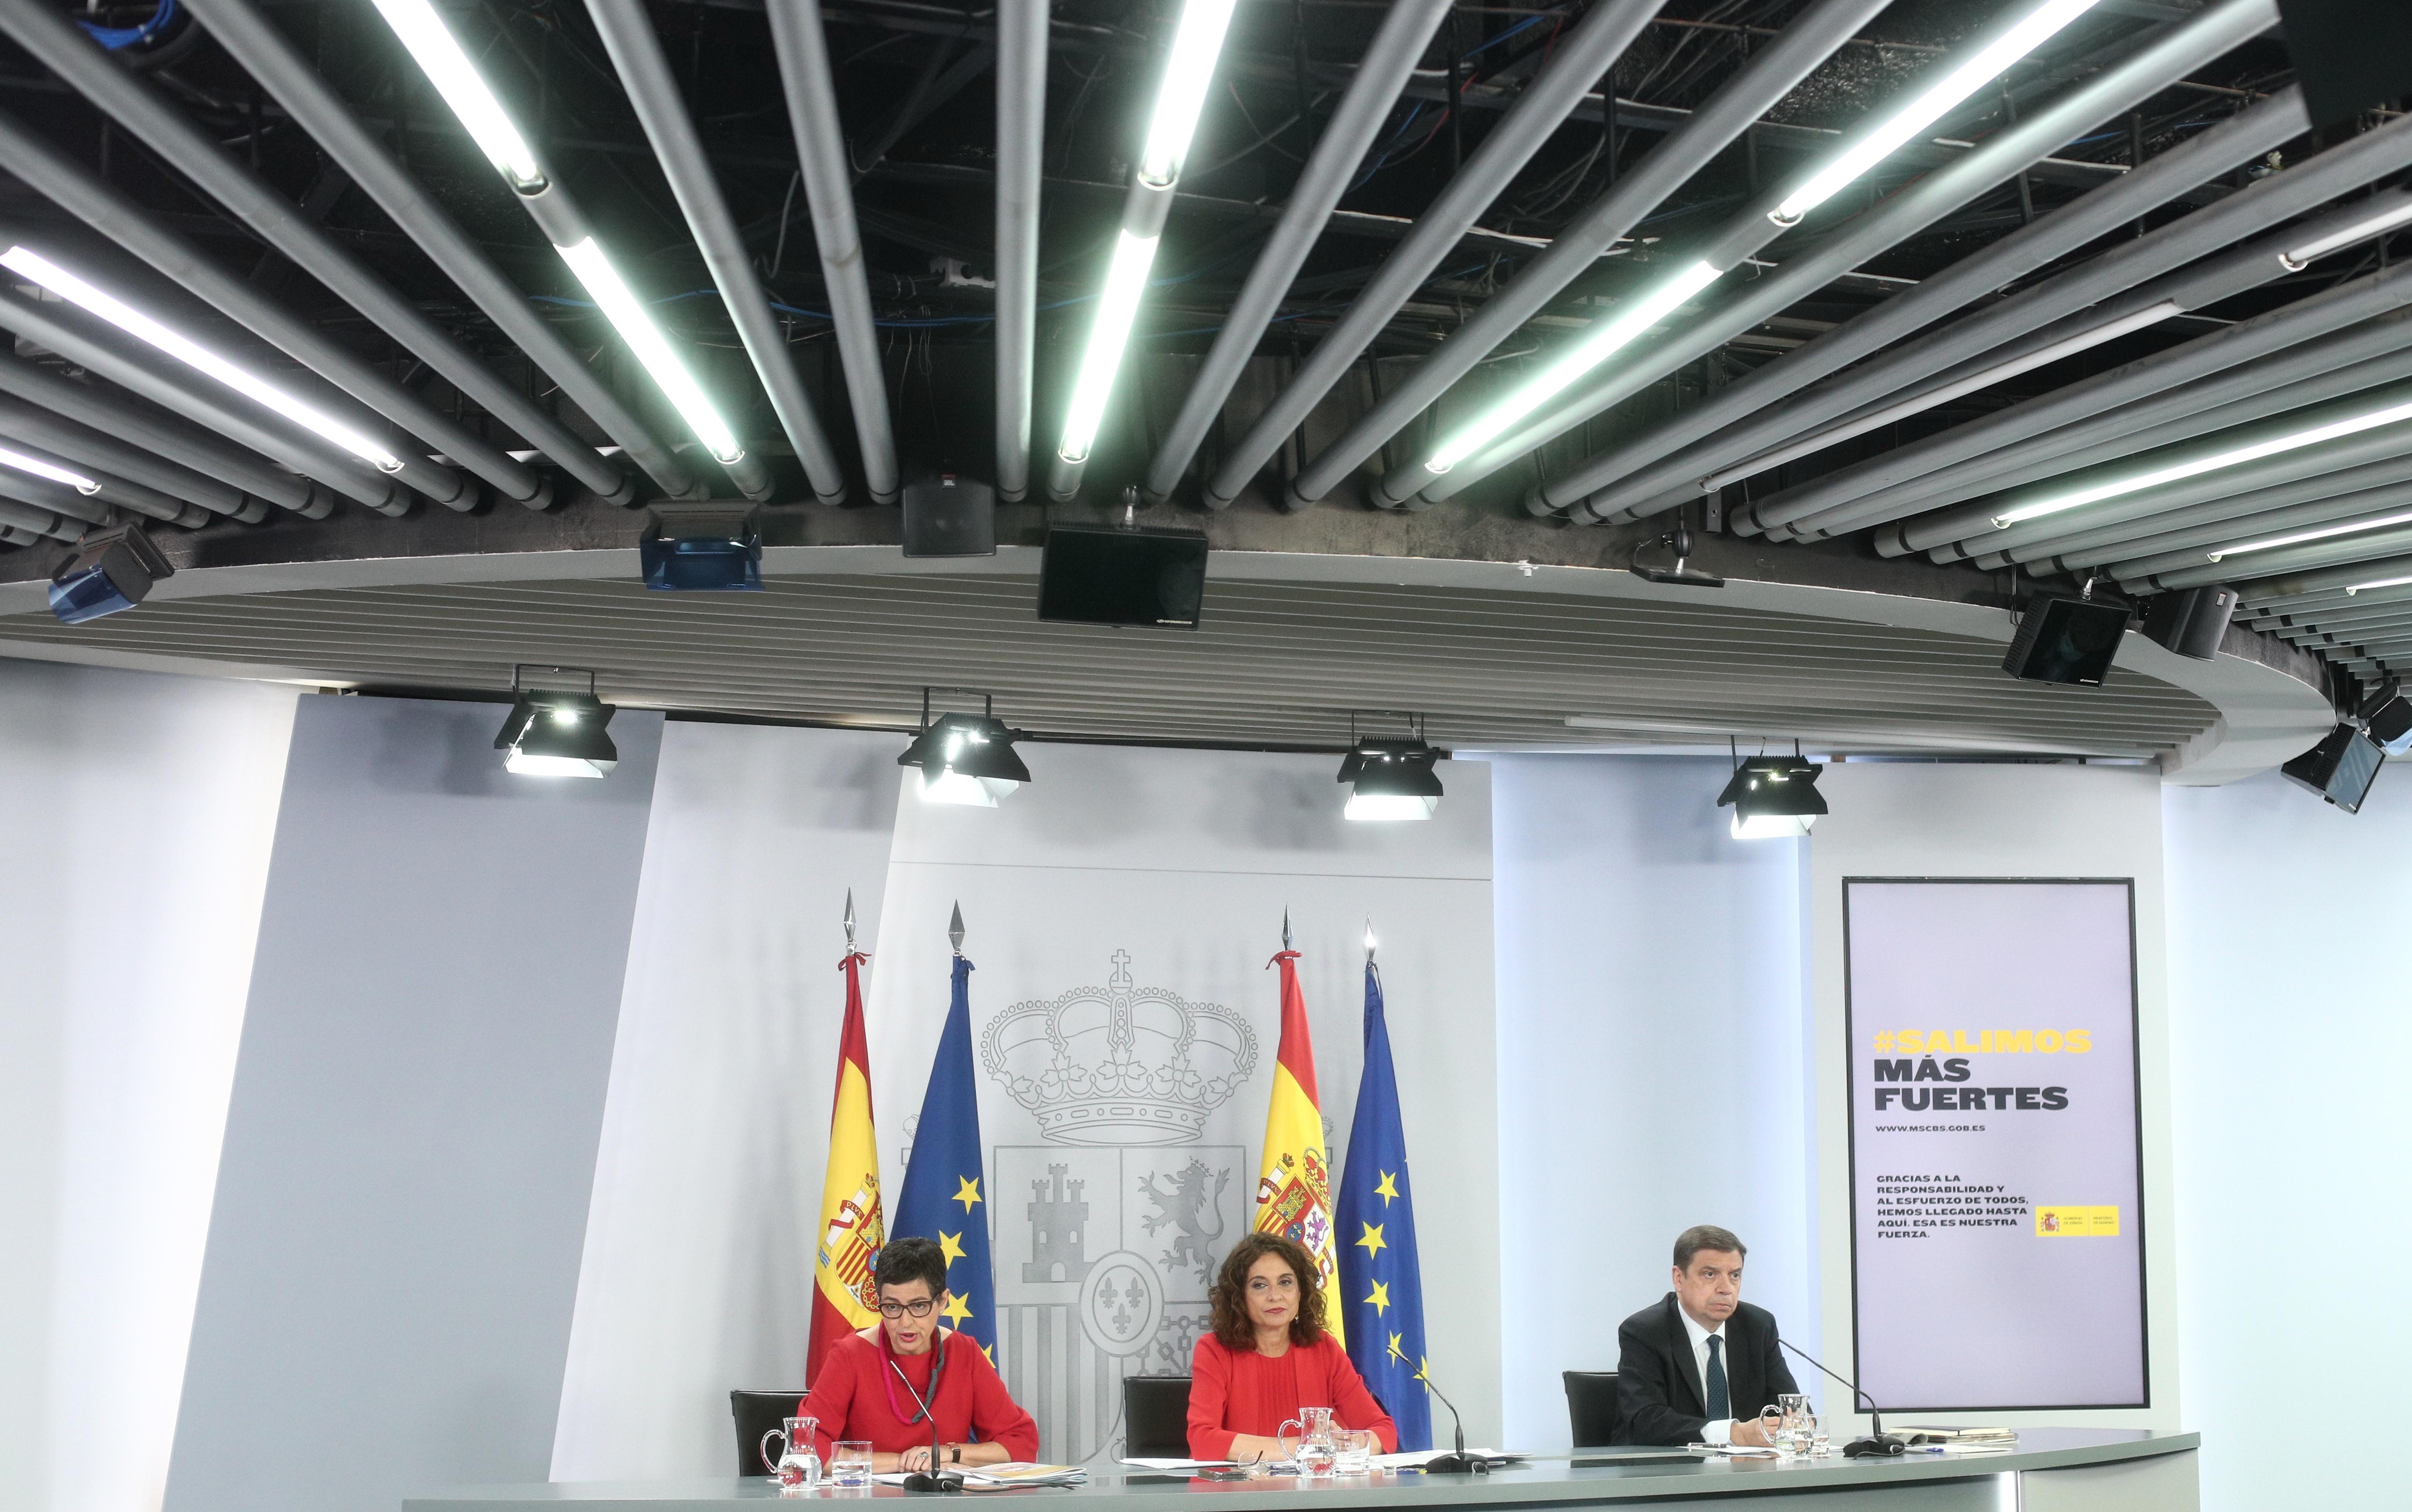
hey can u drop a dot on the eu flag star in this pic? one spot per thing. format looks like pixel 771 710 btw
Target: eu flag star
pixel 1372 1242
pixel 956 1309
pixel 968 1192
pixel 1381 1299
pixel 1387 1187
pixel 950 1246
pixel 1395 1352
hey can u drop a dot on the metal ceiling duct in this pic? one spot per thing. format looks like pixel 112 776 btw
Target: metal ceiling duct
pixel 1597 42
pixel 1918 204
pixel 1020 144
pixel 1390 60
pixel 196 449
pixel 1665 464
pixel 121 457
pixel 628 36
pixel 106 492
pixel 306 454
pixel 260 48
pixel 803 47
pixel 1764 79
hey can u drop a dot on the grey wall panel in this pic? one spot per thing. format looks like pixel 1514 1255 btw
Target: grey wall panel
pixel 393 1254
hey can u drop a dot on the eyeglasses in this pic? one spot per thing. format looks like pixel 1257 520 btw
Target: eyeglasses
pixel 897 1310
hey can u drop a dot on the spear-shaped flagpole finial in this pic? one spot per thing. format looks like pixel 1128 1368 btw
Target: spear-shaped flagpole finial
pixel 849 920
pixel 955 929
pixel 1369 942
pixel 1286 945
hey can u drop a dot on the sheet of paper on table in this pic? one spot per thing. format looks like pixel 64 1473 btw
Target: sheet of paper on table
pixel 1179 1464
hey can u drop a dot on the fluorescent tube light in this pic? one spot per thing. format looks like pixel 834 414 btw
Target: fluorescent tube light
pixel 42 469
pixel 448 68
pixel 1593 348
pixel 1188 70
pixel 2301 536
pixel 628 316
pixel 2385 221
pixel 2176 472
pixel 1936 101
pixel 1117 307
pixel 67 286
pixel 2377 582
pixel 2066 347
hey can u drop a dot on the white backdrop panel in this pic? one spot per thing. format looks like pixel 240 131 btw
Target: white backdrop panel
pixel 699 1253
pixel 1180 863
pixel 137 840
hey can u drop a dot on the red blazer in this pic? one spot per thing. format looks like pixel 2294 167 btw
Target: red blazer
pixel 1233 1392
pixel 851 1402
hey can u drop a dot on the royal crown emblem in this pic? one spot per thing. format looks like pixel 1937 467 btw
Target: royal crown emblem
pixel 1119 1064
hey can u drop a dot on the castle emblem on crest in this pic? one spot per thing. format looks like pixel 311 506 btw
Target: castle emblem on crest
pixel 1119 1064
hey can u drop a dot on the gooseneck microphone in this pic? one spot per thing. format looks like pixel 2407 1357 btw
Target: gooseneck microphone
pixel 1879 1443
pixel 934 1479
pixel 1459 1462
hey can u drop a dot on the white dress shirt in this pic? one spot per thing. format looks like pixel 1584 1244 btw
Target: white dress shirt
pixel 1720 1430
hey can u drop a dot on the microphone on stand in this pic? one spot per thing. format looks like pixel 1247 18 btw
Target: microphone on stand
pixel 1879 1443
pixel 1458 1463
pixel 934 1479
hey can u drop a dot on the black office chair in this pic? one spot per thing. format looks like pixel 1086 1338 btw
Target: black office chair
pixel 1591 1404
pixel 757 1412
pixel 1156 1417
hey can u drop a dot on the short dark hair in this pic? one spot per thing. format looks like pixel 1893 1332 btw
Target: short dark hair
pixel 1228 1296
pixel 910 1259
pixel 1690 1242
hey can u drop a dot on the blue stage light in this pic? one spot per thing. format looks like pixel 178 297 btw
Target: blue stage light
pixel 707 547
pixel 109 574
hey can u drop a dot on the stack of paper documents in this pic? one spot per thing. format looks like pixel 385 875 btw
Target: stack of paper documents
pixel 1021 1473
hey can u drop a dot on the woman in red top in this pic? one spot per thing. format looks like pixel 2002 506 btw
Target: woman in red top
pixel 870 1380
pixel 1269 1356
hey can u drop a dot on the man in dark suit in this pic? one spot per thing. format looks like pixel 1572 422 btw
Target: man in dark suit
pixel 1697 1367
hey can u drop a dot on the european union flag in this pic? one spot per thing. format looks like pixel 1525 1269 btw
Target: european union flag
pixel 1382 1287
pixel 945 1187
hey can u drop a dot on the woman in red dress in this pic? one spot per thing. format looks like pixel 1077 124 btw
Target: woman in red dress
pixel 872 1383
pixel 1267 1356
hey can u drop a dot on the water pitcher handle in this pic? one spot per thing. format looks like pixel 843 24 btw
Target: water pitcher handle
pixel 1281 1436
pixel 771 1464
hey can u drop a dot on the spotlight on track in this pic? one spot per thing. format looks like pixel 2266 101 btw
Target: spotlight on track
pixel 702 547
pixel 1773 797
pixel 551 733
pixel 1390 778
pixel 109 574
pixel 967 760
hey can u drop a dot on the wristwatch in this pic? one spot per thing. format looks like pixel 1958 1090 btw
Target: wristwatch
pixel 954 1454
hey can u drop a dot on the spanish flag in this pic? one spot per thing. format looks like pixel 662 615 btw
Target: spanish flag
pixel 852 1226
pixel 1294 1186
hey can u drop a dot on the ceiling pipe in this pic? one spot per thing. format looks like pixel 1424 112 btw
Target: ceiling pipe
pixel 1905 480
pixel 1597 42
pixel 303 453
pixel 2220 393
pixel 1406 29
pixel 2199 530
pixel 1916 205
pixel 1665 464
pixel 191 448
pixel 1020 147
pixel 802 48
pixel 2349 517
pixel 70 53
pixel 2283 492
pixel 2311 554
pixel 106 491
pixel 256 43
pixel 58 498
pixel 102 452
pixel 38 523
pixel 1765 79
pixel 637 53
pixel 115 216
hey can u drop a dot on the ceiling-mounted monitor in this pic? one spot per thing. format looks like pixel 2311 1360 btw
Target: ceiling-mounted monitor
pixel 1109 575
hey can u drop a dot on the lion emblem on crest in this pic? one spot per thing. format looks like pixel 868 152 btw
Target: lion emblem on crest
pixel 1187 1202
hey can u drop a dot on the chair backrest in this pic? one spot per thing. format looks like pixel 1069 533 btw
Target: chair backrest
pixel 1156 1417
pixel 1591 1406
pixel 756 1414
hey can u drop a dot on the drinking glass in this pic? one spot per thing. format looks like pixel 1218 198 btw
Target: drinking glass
pixel 849 1463
pixel 1819 1445
pixel 797 1464
pixel 1352 1452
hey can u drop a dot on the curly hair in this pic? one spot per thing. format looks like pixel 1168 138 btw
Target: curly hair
pixel 1230 1294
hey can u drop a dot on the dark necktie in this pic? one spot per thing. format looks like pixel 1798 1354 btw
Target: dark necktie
pixel 1720 1403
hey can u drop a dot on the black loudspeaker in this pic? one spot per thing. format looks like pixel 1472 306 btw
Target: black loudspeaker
pixel 2349 55
pixel 2340 769
pixel 1118 575
pixel 2066 640
pixel 2388 716
pixel 2191 623
pixel 949 516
